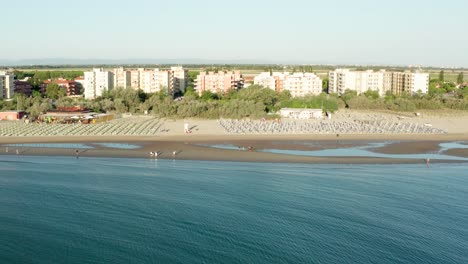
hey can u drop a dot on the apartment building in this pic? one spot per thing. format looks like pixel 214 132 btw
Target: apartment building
pixel 23 87
pixel 135 78
pixel 381 81
pixel 122 78
pixel 153 80
pixel 219 82
pixel 178 79
pixel 409 82
pixel 298 84
pixel 268 80
pixel 301 84
pixel 341 80
pixel 71 87
pixel 96 82
pixel 7 85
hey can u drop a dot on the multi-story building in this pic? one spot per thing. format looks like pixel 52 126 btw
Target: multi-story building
pixel 301 84
pixel 7 85
pixel 23 87
pixel 71 87
pixel 178 79
pixel 266 79
pixel 298 84
pixel 341 80
pixel 154 80
pixel 96 82
pixel 135 78
pixel 122 78
pixel 418 82
pixel 219 82
pixel 381 81
pixel 406 82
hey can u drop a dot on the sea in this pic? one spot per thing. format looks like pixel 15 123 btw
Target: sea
pixel 113 210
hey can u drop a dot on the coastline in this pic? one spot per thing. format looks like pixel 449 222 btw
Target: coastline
pixel 195 147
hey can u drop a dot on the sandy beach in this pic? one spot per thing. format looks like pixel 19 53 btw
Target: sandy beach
pixel 197 148
pixel 169 137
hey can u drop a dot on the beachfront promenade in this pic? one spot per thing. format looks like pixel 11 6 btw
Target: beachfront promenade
pixel 151 126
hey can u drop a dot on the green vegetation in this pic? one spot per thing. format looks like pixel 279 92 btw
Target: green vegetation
pixel 460 78
pixel 441 76
pixel 54 91
pixel 252 102
pixel 37 77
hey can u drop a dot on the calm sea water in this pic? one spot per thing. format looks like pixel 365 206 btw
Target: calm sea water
pixel 98 210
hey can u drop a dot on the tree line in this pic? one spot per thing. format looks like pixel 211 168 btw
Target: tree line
pixel 253 102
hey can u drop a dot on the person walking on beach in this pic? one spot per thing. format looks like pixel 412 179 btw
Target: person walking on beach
pixel 428 160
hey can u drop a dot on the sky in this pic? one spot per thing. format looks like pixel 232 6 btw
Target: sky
pixel 396 32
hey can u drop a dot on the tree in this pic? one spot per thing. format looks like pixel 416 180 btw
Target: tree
pixel 348 95
pixel 208 95
pixel 460 78
pixel 441 76
pixel 325 85
pixel 371 94
pixel 54 91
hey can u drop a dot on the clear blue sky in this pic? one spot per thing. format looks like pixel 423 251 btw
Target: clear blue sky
pixel 399 32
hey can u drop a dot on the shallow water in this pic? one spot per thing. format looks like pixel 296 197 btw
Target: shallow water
pixel 102 210
pixel 50 145
pixel 360 151
pixel 118 145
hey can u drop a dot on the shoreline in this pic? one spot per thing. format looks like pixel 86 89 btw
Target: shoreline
pixel 191 147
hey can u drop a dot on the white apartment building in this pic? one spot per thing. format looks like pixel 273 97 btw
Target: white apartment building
pixel 418 82
pixel 7 85
pixel 298 84
pixel 266 80
pixel 153 80
pixel 301 84
pixel 179 79
pixel 219 82
pixel 341 80
pixel 96 82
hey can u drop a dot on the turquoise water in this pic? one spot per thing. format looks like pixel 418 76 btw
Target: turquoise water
pixel 118 145
pixel 99 210
pixel 360 151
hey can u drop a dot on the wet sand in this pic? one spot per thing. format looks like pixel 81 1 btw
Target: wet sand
pixel 457 152
pixel 409 147
pixel 188 147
